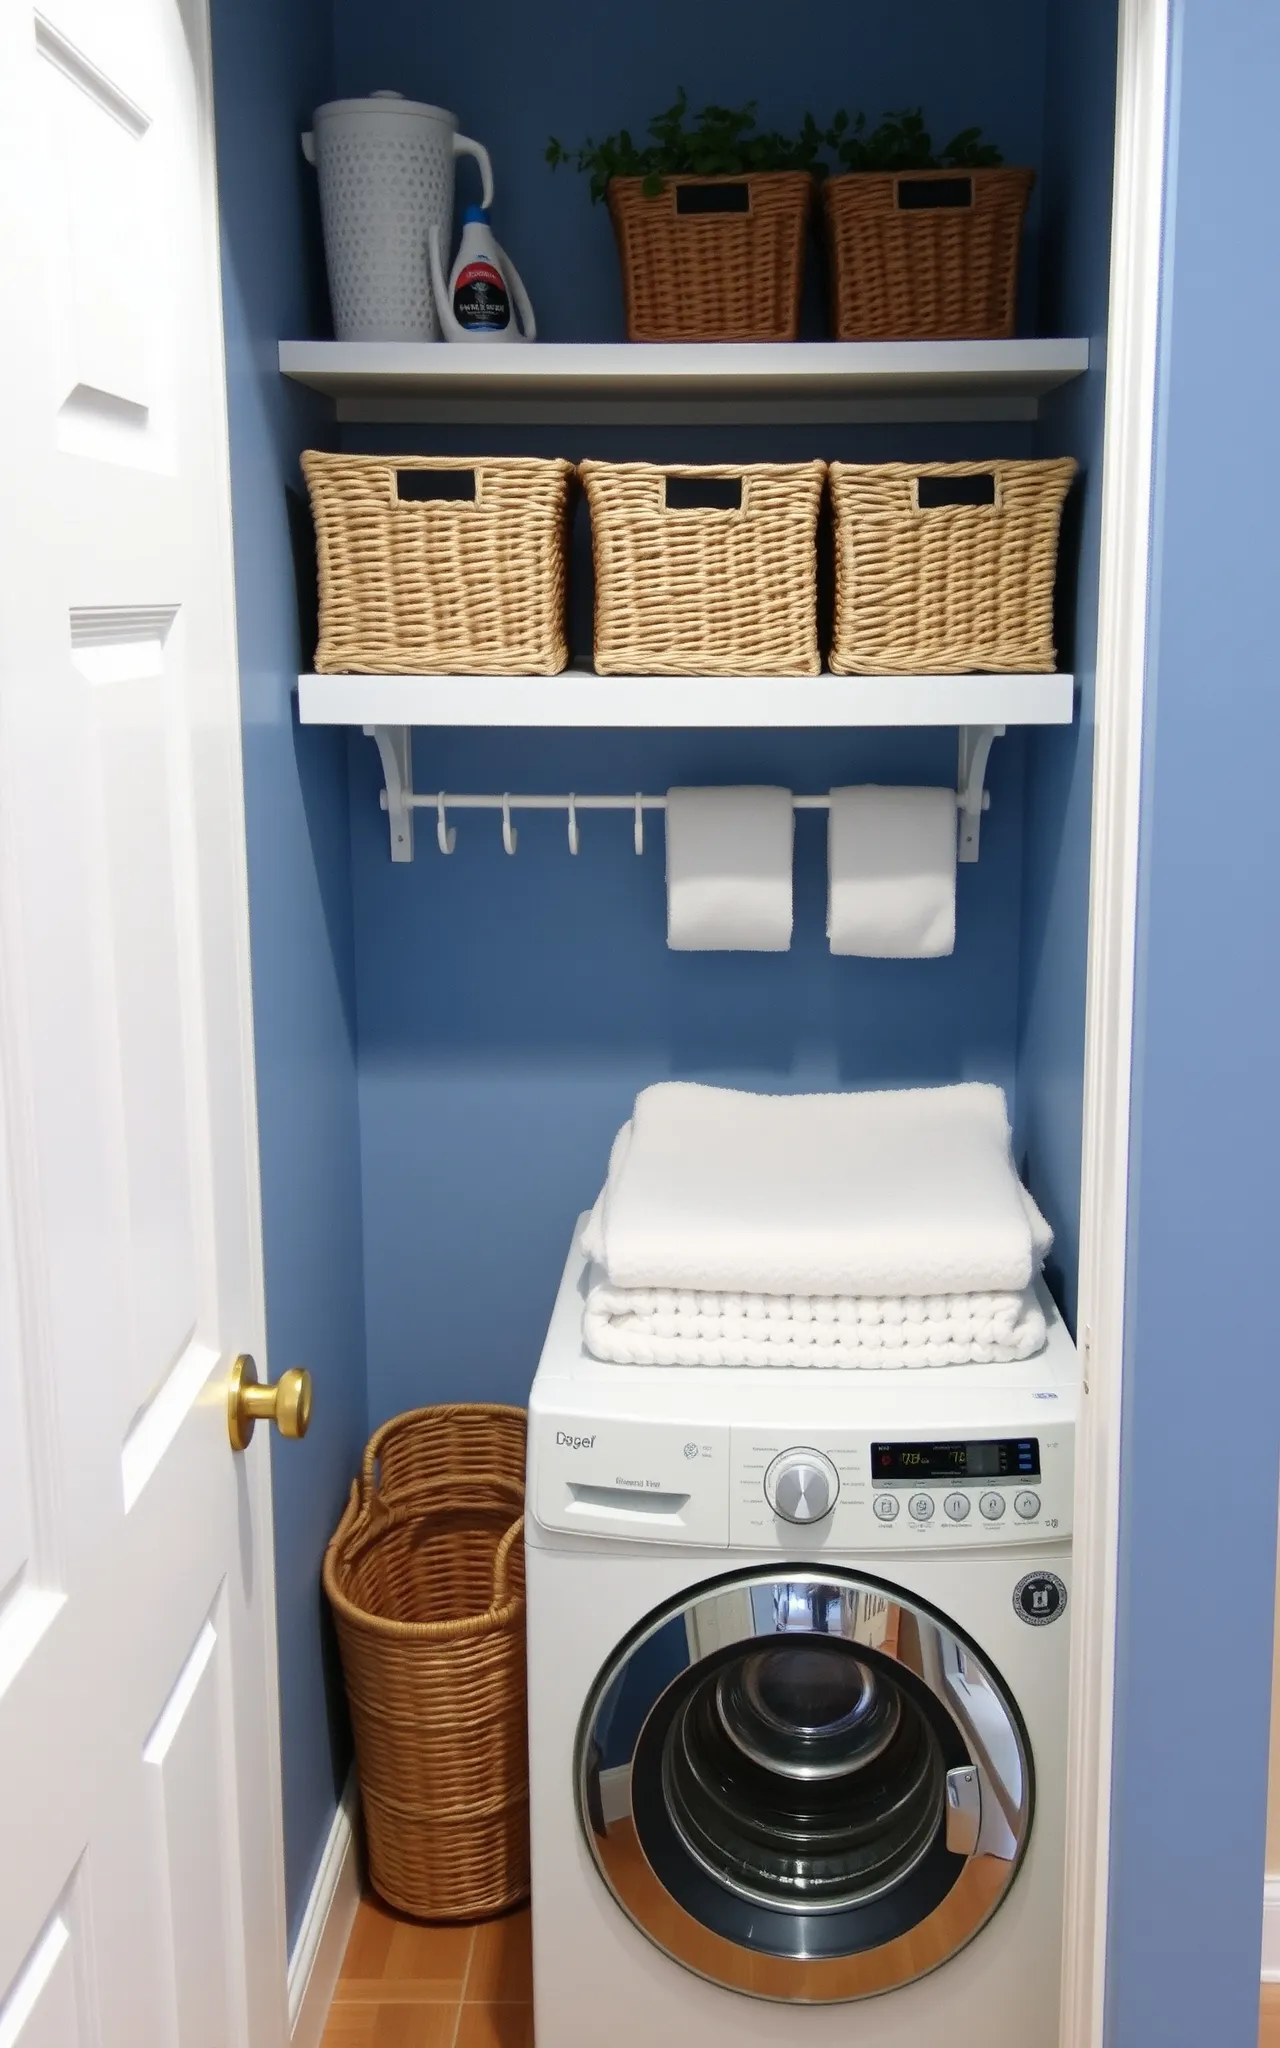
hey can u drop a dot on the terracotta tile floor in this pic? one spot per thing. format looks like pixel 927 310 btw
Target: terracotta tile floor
pixel 405 1985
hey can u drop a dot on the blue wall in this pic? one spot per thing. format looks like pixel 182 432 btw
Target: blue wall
pixel 272 66
pixel 1201 1433
pixel 500 1015
pixel 507 1010
pixel 1074 277
pixel 516 73
pixel 510 1010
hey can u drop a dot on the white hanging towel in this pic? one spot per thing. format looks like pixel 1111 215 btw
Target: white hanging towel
pixel 729 854
pixel 891 865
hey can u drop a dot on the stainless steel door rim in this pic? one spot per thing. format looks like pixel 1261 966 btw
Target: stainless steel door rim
pixel 772 1772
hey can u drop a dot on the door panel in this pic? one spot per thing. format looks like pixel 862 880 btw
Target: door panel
pixel 44 2008
pixel 139 1773
pixel 17 1505
pixel 184 1761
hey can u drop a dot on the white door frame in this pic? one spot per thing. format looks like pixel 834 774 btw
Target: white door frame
pixel 1128 462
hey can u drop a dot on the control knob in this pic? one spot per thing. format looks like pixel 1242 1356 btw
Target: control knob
pixel 801 1486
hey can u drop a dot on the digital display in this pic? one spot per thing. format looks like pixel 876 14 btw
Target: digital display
pixel 1009 1457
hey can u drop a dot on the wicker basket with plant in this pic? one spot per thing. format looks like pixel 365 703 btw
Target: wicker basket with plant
pixel 922 244
pixel 710 218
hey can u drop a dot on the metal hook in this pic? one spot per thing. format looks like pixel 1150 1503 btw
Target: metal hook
pixel 639 827
pixel 510 837
pixel 573 822
pixel 446 834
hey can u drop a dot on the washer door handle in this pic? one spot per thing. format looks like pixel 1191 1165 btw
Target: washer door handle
pixel 964 1809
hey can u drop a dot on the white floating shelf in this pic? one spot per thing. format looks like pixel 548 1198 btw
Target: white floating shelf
pixel 619 383
pixel 579 699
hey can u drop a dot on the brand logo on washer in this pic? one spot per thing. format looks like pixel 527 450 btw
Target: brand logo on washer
pixel 1039 1598
pixel 574 1443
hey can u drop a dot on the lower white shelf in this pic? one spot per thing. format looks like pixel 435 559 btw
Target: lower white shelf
pixel 582 699
pixel 388 708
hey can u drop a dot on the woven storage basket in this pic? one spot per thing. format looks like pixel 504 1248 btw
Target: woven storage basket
pixel 926 588
pixel 428 1597
pixel 440 585
pixel 705 589
pixel 903 270
pixel 713 276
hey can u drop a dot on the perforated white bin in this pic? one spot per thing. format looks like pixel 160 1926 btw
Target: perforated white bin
pixel 386 177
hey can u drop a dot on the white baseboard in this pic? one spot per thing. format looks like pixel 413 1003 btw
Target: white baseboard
pixel 1271 1930
pixel 326 1927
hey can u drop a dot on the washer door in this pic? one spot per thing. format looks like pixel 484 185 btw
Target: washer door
pixel 806 1787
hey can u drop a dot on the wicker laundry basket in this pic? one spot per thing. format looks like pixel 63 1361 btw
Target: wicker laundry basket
pixel 713 259
pixel 426 1580
pixel 924 255
pixel 440 564
pixel 946 567
pixel 705 571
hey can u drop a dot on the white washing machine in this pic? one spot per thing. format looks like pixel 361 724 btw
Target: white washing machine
pixel 798 1651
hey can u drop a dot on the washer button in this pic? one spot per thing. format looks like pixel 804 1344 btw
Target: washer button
pixel 991 1506
pixel 921 1505
pixel 1027 1505
pixel 886 1506
pixel 957 1506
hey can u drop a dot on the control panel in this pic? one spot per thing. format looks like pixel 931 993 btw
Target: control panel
pixel 738 1485
pixel 869 1492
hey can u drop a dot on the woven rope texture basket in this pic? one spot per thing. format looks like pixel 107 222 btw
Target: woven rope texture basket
pixel 428 1598
pixel 946 567
pixel 727 587
pixel 903 267
pixel 440 564
pixel 708 275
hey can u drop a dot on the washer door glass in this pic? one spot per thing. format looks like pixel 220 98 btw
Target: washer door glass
pixel 808 1788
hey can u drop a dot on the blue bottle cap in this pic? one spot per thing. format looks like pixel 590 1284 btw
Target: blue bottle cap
pixel 475 213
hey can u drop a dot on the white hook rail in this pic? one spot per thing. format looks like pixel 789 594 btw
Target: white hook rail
pixel 400 800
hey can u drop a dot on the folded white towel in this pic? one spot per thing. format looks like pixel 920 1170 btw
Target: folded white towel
pixel 729 855
pixel 891 862
pixel 662 1326
pixel 899 1192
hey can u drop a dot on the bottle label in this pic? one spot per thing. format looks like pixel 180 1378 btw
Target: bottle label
pixel 480 299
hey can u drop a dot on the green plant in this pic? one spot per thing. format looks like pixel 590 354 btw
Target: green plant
pixel 903 143
pixel 721 142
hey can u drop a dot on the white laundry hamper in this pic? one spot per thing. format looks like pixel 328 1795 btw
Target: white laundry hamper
pixel 386 178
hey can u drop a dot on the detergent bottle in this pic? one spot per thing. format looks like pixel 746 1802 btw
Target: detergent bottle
pixel 484 292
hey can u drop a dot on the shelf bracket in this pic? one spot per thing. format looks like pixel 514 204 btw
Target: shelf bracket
pixel 971 776
pixel 395 746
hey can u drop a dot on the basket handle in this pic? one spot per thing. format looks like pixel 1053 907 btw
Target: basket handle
pixel 367 1490
pixel 464 146
pixel 702 494
pixel 932 195
pixel 704 199
pixel 938 493
pixel 502 1563
pixel 436 486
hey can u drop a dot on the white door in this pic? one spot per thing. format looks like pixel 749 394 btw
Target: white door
pixel 140 1868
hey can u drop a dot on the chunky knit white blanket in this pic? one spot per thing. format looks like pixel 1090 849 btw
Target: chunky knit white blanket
pixel 668 1326
pixel 883 1229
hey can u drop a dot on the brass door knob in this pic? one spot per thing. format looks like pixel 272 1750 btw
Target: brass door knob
pixel 287 1403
